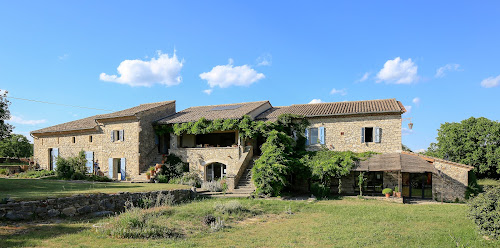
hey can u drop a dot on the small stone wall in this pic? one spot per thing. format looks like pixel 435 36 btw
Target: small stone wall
pixel 79 205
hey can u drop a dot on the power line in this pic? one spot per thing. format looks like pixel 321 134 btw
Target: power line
pixel 67 105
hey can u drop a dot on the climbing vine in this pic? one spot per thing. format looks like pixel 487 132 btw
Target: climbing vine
pixel 247 127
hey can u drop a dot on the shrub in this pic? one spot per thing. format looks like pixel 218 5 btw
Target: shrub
pixel 319 190
pixel 78 176
pixel 229 207
pixel 217 225
pixel 4 172
pixel 484 210
pixel 162 179
pixel 72 165
pixel 208 220
pixel 35 174
pixel 387 191
pixel 191 178
pixel 97 178
pixel 138 223
pixel 212 186
pixel 396 189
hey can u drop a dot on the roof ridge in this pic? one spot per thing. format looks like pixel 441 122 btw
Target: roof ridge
pixel 263 101
pixel 323 103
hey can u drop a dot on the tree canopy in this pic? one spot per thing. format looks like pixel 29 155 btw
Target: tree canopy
pixel 5 128
pixel 16 146
pixel 474 141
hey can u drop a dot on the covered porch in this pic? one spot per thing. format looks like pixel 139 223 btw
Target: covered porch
pixel 411 174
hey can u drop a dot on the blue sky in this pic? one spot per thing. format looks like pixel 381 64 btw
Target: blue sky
pixel 287 52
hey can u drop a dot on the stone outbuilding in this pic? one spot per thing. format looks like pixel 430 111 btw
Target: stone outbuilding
pixel 123 142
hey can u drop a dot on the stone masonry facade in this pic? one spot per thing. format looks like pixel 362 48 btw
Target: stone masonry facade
pixel 138 145
pixel 344 133
pixel 450 183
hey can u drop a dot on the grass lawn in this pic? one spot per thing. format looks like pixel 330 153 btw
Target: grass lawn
pixel 40 189
pixel 488 182
pixel 330 223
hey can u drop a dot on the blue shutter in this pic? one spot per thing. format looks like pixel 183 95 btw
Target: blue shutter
pixel 110 167
pixel 90 161
pixel 55 154
pixel 362 135
pixel 112 135
pixel 122 168
pixel 307 136
pixel 378 134
pixel 321 135
pixel 121 135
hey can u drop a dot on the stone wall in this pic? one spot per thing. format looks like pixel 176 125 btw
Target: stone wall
pixel 148 149
pixel 450 183
pixel 199 158
pixel 78 205
pixel 344 133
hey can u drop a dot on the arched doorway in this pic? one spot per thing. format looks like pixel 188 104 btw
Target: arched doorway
pixel 215 171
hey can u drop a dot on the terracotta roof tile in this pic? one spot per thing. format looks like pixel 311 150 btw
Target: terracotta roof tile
pixel 90 122
pixel 213 112
pixel 336 108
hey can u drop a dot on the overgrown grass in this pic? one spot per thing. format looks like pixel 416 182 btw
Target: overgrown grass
pixel 488 182
pixel 276 223
pixel 29 189
pixel 35 174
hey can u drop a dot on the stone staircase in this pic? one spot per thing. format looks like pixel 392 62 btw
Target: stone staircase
pixel 141 178
pixel 245 185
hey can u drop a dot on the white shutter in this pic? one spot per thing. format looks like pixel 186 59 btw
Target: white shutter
pixel 90 161
pixel 123 168
pixel 112 135
pixel 321 134
pixel 307 136
pixel 110 167
pixel 378 134
pixel 121 135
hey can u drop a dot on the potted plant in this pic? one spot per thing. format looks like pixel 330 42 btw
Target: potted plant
pixel 148 175
pixel 158 166
pixel 152 170
pixel 396 192
pixel 387 192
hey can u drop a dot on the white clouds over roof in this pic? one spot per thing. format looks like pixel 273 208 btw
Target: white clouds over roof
pixel 229 75
pixel 163 70
pixel 398 71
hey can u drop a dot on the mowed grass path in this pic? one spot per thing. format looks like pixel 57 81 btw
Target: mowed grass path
pixel 332 223
pixel 29 189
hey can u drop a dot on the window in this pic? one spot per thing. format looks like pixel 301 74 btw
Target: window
pixel 73 139
pixel 371 134
pixel 315 135
pixel 90 138
pixel 368 134
pixel 117 135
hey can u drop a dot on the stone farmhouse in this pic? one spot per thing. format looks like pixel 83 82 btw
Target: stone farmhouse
pixel 125 144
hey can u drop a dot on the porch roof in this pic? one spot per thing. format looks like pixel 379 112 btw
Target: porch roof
pixel 395 162
pixel 213 112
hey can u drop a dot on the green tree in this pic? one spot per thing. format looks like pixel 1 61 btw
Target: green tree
pixel 271 170
pixel 474 141
pixel 5 128
pixel 16 146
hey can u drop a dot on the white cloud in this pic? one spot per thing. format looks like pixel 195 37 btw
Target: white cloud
pixel 420 150
pixel 398 71
pixel 440 72
pixel 20 120
pixel 229 75
pixel 208 91
pixel 405 131
pixel 341 92
pixel 364 77
pixel 163 70
pixel 491 82
pixel 313 101
pixel 63 57
pixel 265 60
pixel 408 109
pixel 416 101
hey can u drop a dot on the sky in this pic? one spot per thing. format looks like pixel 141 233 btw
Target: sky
pixel 439 58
